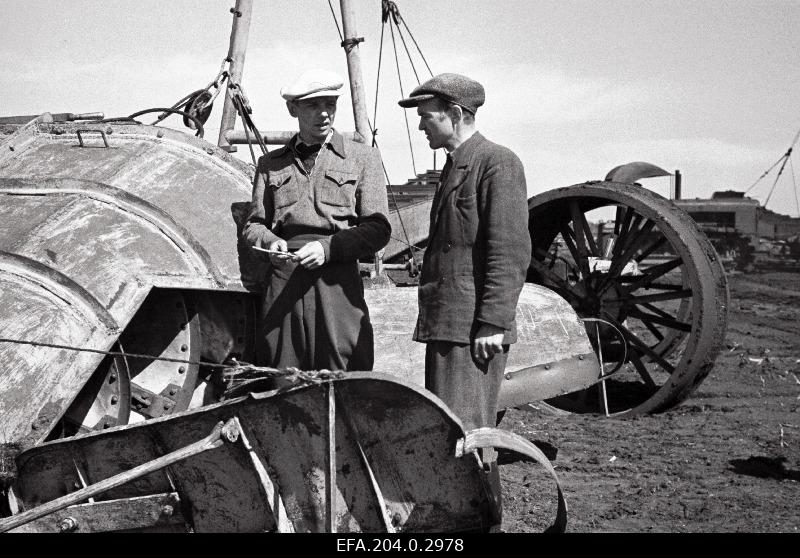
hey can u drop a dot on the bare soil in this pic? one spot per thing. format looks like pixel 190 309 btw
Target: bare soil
pixel 725 460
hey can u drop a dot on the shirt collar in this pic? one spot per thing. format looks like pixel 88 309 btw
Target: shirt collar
pixel 335 141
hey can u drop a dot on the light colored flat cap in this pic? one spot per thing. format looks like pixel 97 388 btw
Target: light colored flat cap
pixel 313 83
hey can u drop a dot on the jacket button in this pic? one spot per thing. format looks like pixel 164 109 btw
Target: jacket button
pixel 442 280
pixel 447 247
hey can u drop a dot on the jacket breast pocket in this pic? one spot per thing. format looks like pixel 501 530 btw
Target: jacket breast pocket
pixel 283 189
pixel 466 201
pixel 339 188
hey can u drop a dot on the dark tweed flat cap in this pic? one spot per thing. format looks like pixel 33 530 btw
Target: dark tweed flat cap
pixel 454 88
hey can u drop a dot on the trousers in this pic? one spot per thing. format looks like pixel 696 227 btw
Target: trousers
pixel 315 319
pixel 471 390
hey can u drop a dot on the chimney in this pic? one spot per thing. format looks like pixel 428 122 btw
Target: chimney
pixel 677 185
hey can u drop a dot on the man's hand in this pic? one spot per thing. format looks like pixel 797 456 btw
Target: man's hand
pixel 488 341
pixel 279 246
pixel 311 255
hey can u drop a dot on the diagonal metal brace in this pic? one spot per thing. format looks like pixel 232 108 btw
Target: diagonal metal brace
pixel 221 433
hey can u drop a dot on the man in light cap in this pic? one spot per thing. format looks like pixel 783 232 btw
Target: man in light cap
pixel 478 253
pixel 319 204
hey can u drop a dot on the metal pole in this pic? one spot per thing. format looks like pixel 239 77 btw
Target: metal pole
pixel 350 44
pixel 238 46
pixel 677 184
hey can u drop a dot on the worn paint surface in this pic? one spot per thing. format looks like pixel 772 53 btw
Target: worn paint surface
pixel 548 331
pixel 406 434
pixel 86 232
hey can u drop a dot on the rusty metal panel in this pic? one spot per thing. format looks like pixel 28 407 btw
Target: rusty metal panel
pixel 394 446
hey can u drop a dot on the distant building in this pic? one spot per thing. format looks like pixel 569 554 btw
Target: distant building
pixel 733 212
pixel 415 190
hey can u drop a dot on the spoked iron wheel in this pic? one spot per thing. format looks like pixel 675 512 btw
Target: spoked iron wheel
pixel 648 282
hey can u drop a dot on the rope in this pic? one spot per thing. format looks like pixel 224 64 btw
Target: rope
pixel 782 158
pixel 402 94
pixel 411 61
pixel 336 21
pixel 113 353
pixel 786 158
pixel 794 182
pixel 244 110
pixel 415 43
pixel 377 89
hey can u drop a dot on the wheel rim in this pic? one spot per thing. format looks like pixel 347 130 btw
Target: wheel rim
pixel 103 402
pixel 662 287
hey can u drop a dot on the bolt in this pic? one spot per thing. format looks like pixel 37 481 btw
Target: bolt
pixel 166 406
pixel 172 392
pixel 181 369
pixel 209 151
pixel 184 348
pixel 580 357
pixel 11 147
pixel 67 524
pixel 508 376
pixel 160 134
pixel 547 367
pixel 112 378
pixel 167 510
pixel 109 130
pixel 114 399
pixel 35 426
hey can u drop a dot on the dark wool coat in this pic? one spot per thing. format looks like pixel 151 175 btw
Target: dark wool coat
pixel 479 247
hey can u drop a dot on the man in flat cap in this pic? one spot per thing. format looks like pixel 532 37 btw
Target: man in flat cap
pixel 478 253
pixel 319 204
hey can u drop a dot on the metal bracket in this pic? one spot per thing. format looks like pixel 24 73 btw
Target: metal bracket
pixel 101 132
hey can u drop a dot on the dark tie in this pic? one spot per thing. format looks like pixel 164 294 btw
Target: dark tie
pixel 307 154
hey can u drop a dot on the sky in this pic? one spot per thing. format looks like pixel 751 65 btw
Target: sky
pixel 574 87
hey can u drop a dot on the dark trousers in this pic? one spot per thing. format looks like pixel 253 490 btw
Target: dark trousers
pixel 471 391
pixel 315 319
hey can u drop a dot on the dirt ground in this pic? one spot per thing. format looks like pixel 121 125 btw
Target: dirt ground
pixel 725 460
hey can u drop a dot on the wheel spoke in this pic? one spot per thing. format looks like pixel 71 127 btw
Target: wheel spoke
pixel 633 339
pixel 582 233
pixel 621 225
pixel 653 329
pixel 652 248
pixel 568 236
pixel 618 264
pixel 653 273
pixel 660 286
pixel 671 322
pixel 683 293
pixel 657 310
pixel 643 372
